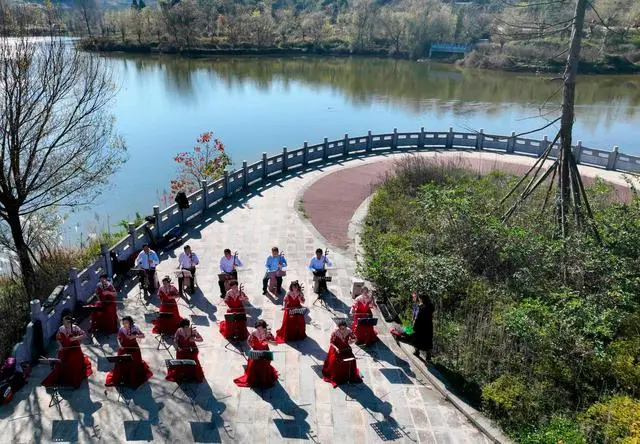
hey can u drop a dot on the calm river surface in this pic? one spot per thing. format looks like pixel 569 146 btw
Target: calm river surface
pixel 263 104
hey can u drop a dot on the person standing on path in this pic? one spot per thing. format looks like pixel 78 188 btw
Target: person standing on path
pixel 422 337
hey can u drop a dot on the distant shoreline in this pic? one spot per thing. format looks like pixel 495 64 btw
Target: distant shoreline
pixel 614 65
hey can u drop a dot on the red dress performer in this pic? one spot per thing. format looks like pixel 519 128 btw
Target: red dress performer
pixel 293 325
pixel 259 372
pixel 185 343
pixel 168 304
pixel 361 308
pixel 340 365
pixel 73 366
pixel 131 373
pixel 234 299
pixel 105 320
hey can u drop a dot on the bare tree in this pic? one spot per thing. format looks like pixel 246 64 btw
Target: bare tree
pixel 89 12
pixel 57 144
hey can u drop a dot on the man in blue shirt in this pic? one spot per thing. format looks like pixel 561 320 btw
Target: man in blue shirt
pixel 274 264
pixel 147 260
pixel 317 267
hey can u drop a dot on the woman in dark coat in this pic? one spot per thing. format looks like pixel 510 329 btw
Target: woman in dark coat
pixel 422 337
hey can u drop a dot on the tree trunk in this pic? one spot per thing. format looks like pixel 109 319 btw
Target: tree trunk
pixel 27 272
pixel 566 122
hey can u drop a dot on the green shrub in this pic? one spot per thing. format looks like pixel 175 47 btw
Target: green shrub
pixel 616 420
pixel 559 430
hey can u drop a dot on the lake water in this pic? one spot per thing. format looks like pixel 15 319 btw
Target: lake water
pixel 263 104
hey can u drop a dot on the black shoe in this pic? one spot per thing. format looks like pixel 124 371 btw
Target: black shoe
pixel 416 353
pixel 221 296
pixel 264 292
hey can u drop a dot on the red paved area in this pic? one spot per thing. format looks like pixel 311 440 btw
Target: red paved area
pixel 331 201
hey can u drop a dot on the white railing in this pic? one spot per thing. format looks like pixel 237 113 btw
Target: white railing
pixel 81 284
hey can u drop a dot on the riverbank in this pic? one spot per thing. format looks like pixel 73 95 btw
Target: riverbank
pixel 534 58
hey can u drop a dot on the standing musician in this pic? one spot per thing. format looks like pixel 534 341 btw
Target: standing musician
pixel 317 267
pixel 361 308
pixel 131 373
pixel 187 261
pixel 148 260
pixel 274 264
pixel 73 365
pixel 105 320
pixel 234 300
pixel 259 372
pixel 293 325
pixel 340 365
pixel 228 264
pixel 185 343
pixel 168 294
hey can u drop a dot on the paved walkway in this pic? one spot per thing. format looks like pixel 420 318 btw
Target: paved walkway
pixel 394 403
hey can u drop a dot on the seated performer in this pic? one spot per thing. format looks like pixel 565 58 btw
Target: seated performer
pixel 259 372
pixel 105 320
pixel 317 266
pixel 168 304
pixel 274 264
pixel 185 343
pixel 228 264
pixel 234 300
pixel 74 366
pixel 131 373
pixel 293 325
pixel 361 308
pixel 340 365
pixel 187 261
pixel 148 260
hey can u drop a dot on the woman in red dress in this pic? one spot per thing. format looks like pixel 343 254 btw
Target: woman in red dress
pixel 259 372
pixel 361 308
pixel 168 294
pixel 74 366
pixel 129 373
pixel 185 343
pixel 293 326
pixel 105 321
pixel 340 365
pixel 234 300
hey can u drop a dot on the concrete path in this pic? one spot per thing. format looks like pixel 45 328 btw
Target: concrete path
pixel 395 402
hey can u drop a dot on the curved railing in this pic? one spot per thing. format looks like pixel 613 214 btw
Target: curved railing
pixel 45 319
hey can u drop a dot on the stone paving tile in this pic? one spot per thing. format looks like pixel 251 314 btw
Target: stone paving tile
pixel 301 408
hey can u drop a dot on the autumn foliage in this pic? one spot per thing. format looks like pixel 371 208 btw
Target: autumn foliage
pixel 206 161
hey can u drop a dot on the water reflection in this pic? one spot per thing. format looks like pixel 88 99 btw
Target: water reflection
pixel 416 87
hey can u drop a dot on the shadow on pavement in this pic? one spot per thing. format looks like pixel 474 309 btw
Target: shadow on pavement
pixel 291 419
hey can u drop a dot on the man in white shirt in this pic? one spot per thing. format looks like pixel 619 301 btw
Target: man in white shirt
pixel 148 260
pixel 317 267
pixel 228 264
pixel 187 261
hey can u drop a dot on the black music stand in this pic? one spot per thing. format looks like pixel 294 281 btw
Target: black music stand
pixel 234 317
pixel 162 342
pixel 322 286
pixel 182 363
pixel 266 355
pixel 54 391
pixel 119 386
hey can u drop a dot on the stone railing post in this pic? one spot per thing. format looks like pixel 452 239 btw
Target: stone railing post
pixel 205 196
pixel 345 146
pixel 511 143
pixel 394 139
pixel 421 139
pixel 264 165
pixel 74 283
pixel 369 142
pixel 132 233
pixel 480 140
pixel 577 151
pixel 284 159
pixel 225 182
pixel 158 223
pixel 325 148
pixel 544 144
pixel 36 310
pixel 449 142
pixel 106 259
pixel 305 154
pixel 613 157
pixel 245 174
